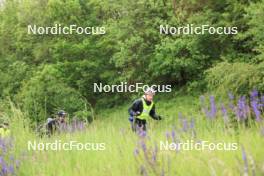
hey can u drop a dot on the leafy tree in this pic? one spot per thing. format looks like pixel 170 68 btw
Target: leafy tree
pixel 45 93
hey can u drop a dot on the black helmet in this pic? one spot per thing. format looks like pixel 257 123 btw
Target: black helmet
pixel 61 113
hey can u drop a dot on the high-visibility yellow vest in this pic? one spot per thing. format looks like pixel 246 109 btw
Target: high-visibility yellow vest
pixel 146 110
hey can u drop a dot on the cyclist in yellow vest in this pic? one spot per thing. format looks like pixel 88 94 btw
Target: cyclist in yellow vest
pixel 142 109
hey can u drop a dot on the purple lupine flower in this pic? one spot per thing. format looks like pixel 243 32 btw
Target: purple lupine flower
pixel 11 170
pixel 213 107
pixel 254 105
pixel 173 135
pixel 1 161
pixel 141 133
pixel 247 110
pixel 192 123
pixel 262 101
pixel 167 135
pixel 244 157
pixel 224 113
pixel 4 166
pixel 154 157
pixel 3 145
pixel 7 161
pixel 231 101
pixel 156 149
pixel 185 125
pixel 232 107
pixel 12 158
pixel 254 95
pixel 154 153
pixel 192 127
pixel 143 146
pixel 136 152
pixel 81 126
pixel 241 110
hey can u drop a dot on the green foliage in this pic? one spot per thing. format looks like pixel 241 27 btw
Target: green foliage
pixel 12 77
pixel 132 50
pixel 238 78
pixel 45 93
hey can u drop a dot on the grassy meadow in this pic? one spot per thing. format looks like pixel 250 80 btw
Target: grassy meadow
pixel 127 153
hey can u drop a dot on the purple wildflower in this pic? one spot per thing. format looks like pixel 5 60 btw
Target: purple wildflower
pixel 254 105
pixel 254 95
pixel 244 157
pixel 261 103
pixel 136 152
pixel 7 161
pixel 4 166
pixel 154 153
pixel 11 170
pixel 192 127
pixel 192 123
pixel 241 110
pixel 143 146
pixel 184 125
pixel 173 135
pixel 213 107
pixel 224 113
pixel 141 133
pixel 231 101
pixel 167 135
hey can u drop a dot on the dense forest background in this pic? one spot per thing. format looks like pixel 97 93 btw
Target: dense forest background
pixel 44 73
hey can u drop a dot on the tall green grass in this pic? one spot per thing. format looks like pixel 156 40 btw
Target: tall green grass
pixel 119 159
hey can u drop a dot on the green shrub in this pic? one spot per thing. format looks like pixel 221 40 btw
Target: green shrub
pixel 45 93
pixel 239 78
pixel 12 77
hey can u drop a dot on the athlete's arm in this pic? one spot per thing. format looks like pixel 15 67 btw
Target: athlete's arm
pixel 153 114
